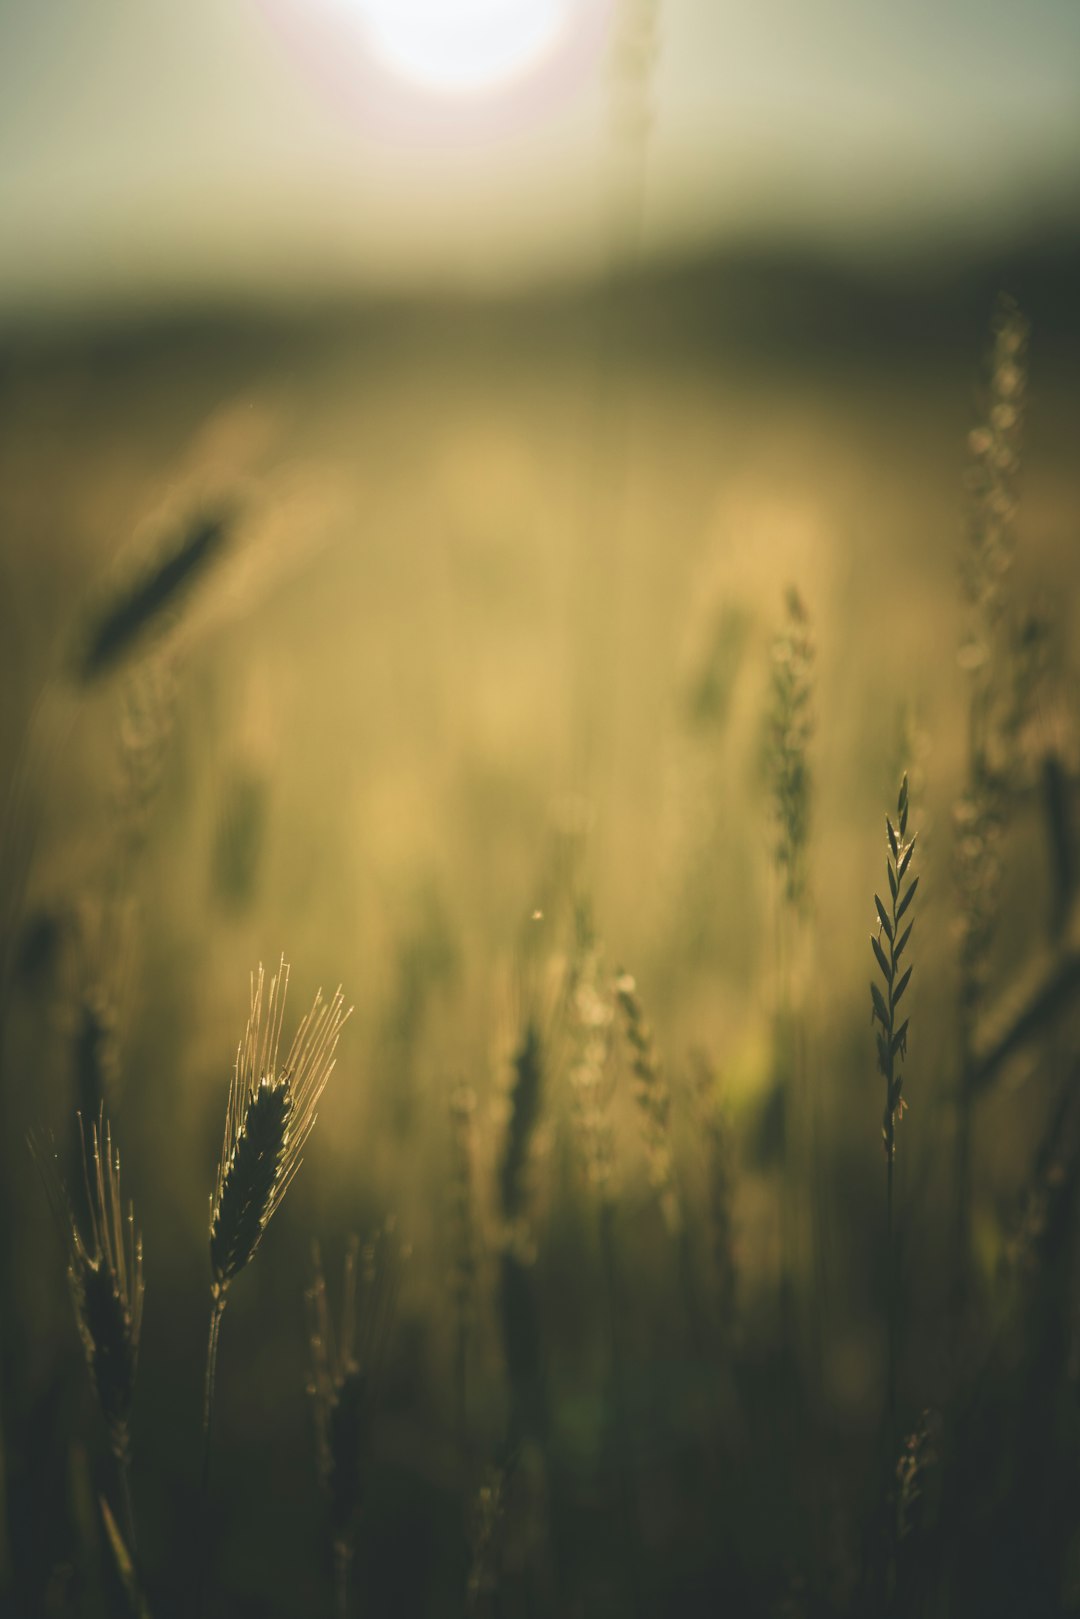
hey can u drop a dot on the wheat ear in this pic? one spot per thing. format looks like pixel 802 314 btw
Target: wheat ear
pixel 270 1113
pixel 889 944
pixel 105 1271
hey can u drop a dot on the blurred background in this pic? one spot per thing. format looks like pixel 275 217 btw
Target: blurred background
pixel 494 494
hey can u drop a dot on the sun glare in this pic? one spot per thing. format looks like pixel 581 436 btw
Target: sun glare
pixel 461 47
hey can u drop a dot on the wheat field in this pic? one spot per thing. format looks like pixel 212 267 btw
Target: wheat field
pixel 543 674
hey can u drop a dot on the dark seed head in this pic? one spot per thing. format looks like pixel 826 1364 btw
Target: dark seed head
pixel 142 602
pixel 250 1180
pixel 269 1116
pixel 105 1269
pixel 524 1113
pixel 109 1339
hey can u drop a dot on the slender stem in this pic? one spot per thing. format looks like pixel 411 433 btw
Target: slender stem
pixel 624 1464
pixel 962 1180
pixel 343 1556
pixel 461 1384
pixel 688 1287
pixel 217 1310
pixel 127 1510
pixel 888 1501
pixel 607 1247
pixel 891 1044
pixel 890 1263
pixel 782 1027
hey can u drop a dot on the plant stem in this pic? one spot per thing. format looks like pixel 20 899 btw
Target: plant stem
pixel 461 1385
pixel 343 1556
pixel 890 1281
pixel 892 1044
pixel 623 1460
pixel 962 1184
pixel 781 1035
pixel 217 1310
pixel 123 1468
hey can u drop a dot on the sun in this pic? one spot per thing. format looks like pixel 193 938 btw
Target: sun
pixel 462 47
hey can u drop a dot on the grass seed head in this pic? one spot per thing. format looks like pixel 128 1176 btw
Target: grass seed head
pixel 889 944
pixel 141 602
pixel 247 1189
pixel 105 1270
pixel 346 1360
pixel 713 1127
pixel 998 656
pixel 271 1111
pixel 524 1113
pixel 462 1204
pixel 653 1097
pixel 790 731
pixel 590 1018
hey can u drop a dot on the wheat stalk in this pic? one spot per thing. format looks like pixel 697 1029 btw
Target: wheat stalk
pixel 345 1362
pixel 485 1527
pixel 525 1091
pixel 790 731
pixel 105 1272
pixel 463 1221
pixel 517 1306
pixel 140 603
pixel 590 1013
pixel 269 1116
pixel 653 1097
pixel 993 717
pixel 986 565
pixel 714 1130
pixel 889 945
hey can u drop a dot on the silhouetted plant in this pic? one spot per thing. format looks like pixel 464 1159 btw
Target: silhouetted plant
pixel 139 603
pixel 464 1260
pixel 270 1114
pixel 889 945
pixel 590 1015
pixel 790 730
pixel 105 1270
pixel 994 704
pixel 653 1095
pixel 345 1362
pixel 714 1130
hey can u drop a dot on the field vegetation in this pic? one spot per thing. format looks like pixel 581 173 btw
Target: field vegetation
pixel 604 692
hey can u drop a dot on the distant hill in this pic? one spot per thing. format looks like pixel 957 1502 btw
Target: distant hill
pixel 774 303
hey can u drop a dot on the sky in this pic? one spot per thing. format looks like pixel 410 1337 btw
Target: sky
pixel 153 152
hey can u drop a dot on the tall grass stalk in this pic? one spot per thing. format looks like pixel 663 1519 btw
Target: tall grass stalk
pixel 105 1272
pixel 889 944
pixel 789 734
pixel 591 1014
pixel 517 1305
pixel 271 1111
pixel 485 1526
pixel 986 658
pixel 653 1094
pixel 139 604
pixel 346 1359
pixel 714 1131
pixel 464 1261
